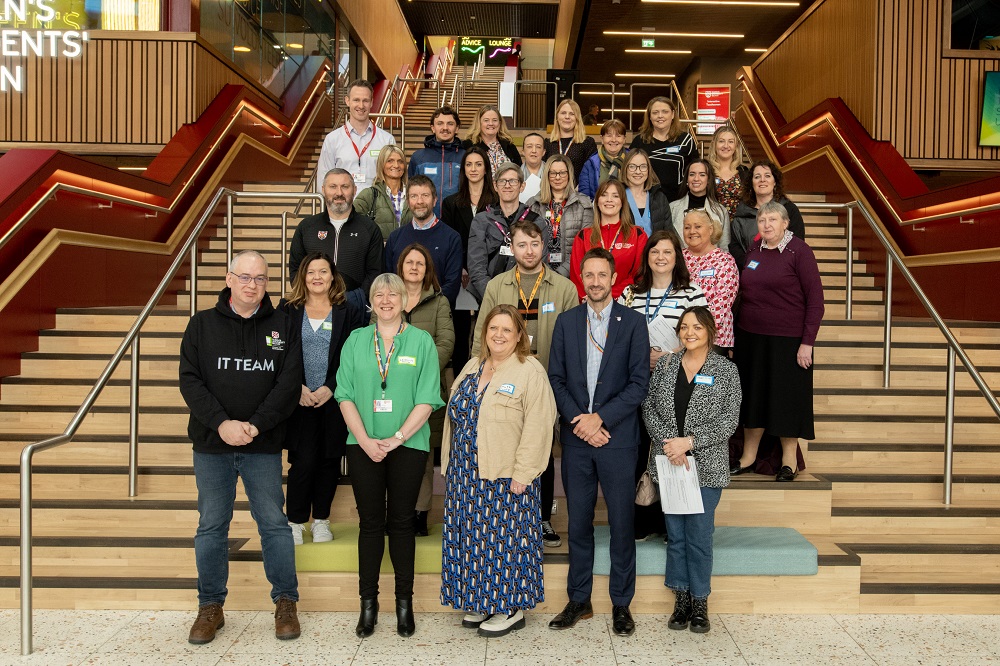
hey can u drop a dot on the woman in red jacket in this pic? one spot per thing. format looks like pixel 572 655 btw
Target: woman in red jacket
pixel 614 230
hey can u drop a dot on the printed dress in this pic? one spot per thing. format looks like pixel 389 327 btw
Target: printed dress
pixel 491 543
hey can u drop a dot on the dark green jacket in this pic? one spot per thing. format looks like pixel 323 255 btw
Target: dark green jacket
pixel 374 202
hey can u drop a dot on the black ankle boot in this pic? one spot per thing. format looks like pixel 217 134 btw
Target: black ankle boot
pixel 368 619
pixel 404 617
pixel 420 523
pixel 682 610
pixel 699 616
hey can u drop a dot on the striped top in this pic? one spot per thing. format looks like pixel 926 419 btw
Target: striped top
pixel 663 311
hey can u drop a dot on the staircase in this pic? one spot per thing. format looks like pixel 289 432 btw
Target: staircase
pixel 418 114
pixel 870 500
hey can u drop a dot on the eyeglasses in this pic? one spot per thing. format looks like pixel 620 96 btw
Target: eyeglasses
pixel 638 167
pixel 512 182
pixel 260 280
pixel 559 174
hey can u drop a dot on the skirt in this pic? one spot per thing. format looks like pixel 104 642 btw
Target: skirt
pixel 777 392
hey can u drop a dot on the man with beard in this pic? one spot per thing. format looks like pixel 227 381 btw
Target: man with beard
pixel 443 242
pixel 599 431
pixel 352 239
pixel 540 295
pixel 441 157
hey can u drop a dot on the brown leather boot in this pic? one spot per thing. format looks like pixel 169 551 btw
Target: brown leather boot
pixel 286 620
pixel 210 619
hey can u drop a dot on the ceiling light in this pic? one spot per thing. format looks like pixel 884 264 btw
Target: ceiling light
pixel 242 49
pixel 599 49
pixel 658 76
pixel 749 50
pixel 673 34
pixel 293 45
pixel 655 51
pixel 755 3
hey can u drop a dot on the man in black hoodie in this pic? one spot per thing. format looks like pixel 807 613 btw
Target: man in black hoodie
pixel 240 372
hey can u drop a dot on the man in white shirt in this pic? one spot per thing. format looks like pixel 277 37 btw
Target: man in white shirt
pixel 354 146
pixel 533 167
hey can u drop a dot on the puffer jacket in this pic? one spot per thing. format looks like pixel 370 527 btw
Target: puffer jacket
pixel 442 163
pixel 375 203
pixel 578 213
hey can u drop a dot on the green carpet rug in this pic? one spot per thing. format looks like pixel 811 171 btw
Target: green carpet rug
pixel 341 554
pixel 737 551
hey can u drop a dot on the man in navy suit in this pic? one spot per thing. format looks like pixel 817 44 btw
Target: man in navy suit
pixel 599 426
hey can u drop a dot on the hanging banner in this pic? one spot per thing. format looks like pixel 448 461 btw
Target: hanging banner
pixel 712 108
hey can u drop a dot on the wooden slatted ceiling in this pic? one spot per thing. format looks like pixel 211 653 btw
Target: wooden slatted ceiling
pixel 494 19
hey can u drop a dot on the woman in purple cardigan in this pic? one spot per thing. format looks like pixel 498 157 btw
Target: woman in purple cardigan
pixel 782 307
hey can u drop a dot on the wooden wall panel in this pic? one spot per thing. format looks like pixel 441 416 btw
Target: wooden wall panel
pixel 126 88
pixel 830 53
pixel 382 30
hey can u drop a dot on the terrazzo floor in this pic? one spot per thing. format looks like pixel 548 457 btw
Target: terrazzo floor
pixel 160 638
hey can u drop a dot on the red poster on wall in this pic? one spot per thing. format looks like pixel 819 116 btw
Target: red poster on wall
pixel 712 108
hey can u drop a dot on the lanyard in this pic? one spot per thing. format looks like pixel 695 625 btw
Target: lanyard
pixel 613 240
pixel 361 152
pixel 397 201
pixel 383 370
pixel 556 217
pixel 656 312
pixel 506 232
pixel 568 146
pixel 534 290
pixel 593 340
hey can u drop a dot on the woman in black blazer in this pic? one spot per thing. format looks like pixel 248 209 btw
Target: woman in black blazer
pixel 489 132
pixel 316 435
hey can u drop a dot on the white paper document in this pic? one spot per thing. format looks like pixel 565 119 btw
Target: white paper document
pixel 680 492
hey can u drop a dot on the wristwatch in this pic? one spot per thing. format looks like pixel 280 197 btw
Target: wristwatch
pixel 399 436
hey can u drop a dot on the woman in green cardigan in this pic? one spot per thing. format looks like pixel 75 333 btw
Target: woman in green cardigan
pixel 385 200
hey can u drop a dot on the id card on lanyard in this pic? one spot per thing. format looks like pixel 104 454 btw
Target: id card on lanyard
pixel 360 176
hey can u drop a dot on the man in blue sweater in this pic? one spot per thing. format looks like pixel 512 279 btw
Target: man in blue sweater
pixel 443 242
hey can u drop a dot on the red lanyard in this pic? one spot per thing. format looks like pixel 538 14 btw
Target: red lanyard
pixel 361 152
pixel 556 217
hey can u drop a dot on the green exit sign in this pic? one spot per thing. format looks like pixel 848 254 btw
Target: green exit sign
pixel 649 43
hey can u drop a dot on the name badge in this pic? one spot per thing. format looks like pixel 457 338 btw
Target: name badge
pixel 374 153
pixel 383 406
pixel 674 149
pixel 672 304
pixel 327 325
pixel 753 265
pixel 531 339
pixel 555 257
pixel 507 389
pixel 706 272
pixel 359 178
pixel 707 380
pixel 505 251
pixel 548 307
pixel 430 171
pixel 407 360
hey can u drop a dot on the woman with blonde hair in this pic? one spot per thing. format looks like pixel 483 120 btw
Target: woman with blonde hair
pixel 489 132
pixel 385 200
pixel 669 147
pixel 614 230
pixel 565 209
pixel 569 137
pixel 726 158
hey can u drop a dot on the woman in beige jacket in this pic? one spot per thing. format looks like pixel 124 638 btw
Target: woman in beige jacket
pixel 496 443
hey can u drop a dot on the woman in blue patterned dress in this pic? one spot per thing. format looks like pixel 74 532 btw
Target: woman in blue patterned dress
pixel 496 443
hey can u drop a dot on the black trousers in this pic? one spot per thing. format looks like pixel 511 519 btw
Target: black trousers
pixel 463 322
pixel 386 495
pixel 548 484
pixel 312 476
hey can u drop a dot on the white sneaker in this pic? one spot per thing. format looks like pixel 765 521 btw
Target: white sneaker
pixel 473 620
pixel 501 625
pixel 321 531
pixel 296 533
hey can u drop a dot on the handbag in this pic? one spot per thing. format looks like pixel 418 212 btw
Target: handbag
pixel 646 492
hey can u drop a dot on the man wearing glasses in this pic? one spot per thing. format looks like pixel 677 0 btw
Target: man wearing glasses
pixel 240 375
pixel 489 249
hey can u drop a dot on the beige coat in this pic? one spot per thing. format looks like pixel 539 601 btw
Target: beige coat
pixel 516 417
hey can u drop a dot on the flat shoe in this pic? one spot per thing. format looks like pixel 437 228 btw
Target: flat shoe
pixel 786 473
pixel 736 470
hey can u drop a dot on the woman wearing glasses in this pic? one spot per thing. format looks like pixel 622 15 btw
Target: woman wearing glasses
pixel 648 204
pixel 565 209
pixel 388 384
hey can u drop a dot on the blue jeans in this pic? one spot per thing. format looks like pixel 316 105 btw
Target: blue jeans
pixel 689 547
pixel 215 475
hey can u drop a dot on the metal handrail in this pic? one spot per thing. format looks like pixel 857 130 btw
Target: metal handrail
pixel 189 250
pixel 402 126
pixel 572 92
pixel 631 97
pixel 460 83
pixel 555 97
pixel 311 186
pixel 893 259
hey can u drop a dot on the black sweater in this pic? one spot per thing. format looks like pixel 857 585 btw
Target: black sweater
pixel 356 250
pixel 241 369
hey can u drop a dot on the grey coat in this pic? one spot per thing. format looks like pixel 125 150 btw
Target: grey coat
pixel 488 234
pixel 579 213
pixel 712 415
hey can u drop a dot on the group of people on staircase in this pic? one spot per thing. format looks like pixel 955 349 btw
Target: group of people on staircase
pixel 612 302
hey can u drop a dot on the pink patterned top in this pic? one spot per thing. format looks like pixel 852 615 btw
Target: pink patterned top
pixel 728 192
pixel 718 277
